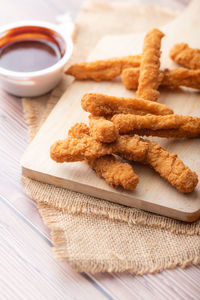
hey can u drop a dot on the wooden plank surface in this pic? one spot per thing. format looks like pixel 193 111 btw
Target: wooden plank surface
pixel 18 208
pixel 152 193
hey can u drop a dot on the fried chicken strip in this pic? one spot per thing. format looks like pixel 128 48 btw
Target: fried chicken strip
pixel 128 147
pixel 186 56
pixel 164 133
pixel 104 105
pixel 73 149
pixel 102 130
pixel 86 148
pixel 103 69
pixel 171 168
pixel 79 130
pixel 115 172
pixel 111 68
pixel 167 165
pixel 149 67
pixel 168 78
pixel 171 125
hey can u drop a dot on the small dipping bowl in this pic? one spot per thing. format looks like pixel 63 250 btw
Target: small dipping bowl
pixel 55 47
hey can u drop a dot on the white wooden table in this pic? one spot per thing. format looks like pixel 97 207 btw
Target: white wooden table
pixel 28 269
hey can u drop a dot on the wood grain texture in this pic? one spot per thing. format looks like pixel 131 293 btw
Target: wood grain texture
pixel 153 193
pixel 22 212
pixel 20 242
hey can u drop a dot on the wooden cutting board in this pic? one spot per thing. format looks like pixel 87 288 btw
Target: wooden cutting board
pixel 152 193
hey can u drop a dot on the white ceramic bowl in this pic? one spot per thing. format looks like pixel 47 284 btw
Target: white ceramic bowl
pixel 31 84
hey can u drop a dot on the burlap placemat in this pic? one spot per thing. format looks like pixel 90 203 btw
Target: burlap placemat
pixel 94 235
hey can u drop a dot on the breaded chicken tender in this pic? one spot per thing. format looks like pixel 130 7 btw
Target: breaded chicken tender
pixel 86 148
pixel 115 172
pixel 103 69
pixel 170 126
pixel 132 148
pixel 130 77
pixel 79 130
pixel 102 130
pixel 149 66
pixel 171 168
pixel 73 149
pixel 128 147
pixel 186 56
pixel 181 77
pixel 104 105
pixel 168 78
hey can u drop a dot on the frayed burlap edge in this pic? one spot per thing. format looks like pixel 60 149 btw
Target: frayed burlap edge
pixel 51 219
pixel 97 266
pixel 76 203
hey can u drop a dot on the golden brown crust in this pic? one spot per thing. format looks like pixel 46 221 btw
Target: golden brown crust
pixel 104 105
pixel 79 130
pixel 171 125
pixel 149 67
pixel 171 168
pixel 103 69
pixel 115 172
pixel 72 149
pixel 186 56
pixel 181 77
pixel 164 133
pixel 102 130
pixel 168 78
pixel 129 147
pixel 133 148
pixel 78 149
pixel 130 78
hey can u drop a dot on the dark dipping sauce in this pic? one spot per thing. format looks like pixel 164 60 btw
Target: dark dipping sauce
pixel 30 48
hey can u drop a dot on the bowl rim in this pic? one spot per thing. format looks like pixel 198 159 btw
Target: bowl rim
pixel 55 27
